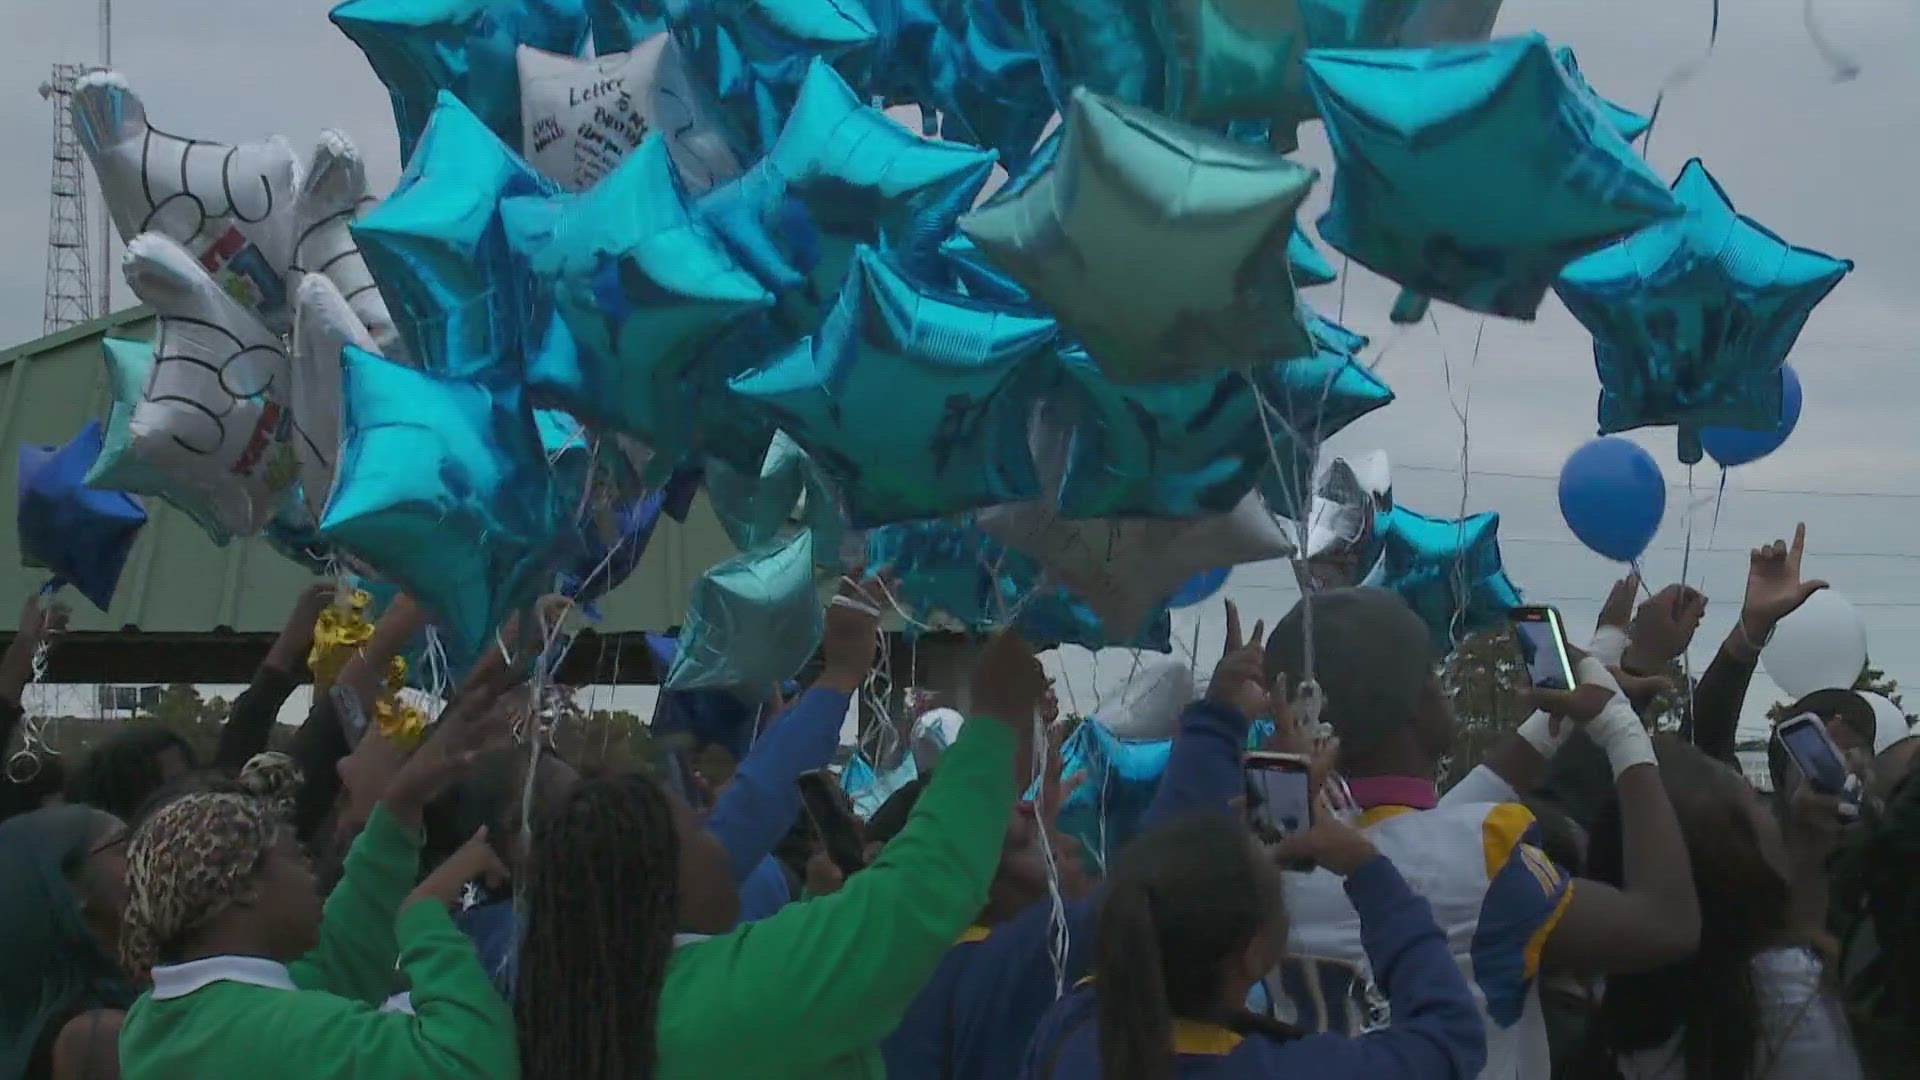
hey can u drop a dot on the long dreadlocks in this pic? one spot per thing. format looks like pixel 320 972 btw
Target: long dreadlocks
pixel 603 902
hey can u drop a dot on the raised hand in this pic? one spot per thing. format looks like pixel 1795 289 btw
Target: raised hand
pixel 1664 626
pixel 852 635
pixel 1774 586
pixel 1617 612
pixel 468 728
pixel 476 860
pixel 1239 680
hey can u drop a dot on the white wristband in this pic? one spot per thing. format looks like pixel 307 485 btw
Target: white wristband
pixel 1609 644
pixel 1538 731
pixel 1617 730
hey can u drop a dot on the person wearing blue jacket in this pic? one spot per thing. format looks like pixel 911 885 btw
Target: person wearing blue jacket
pixel 974 1018
pixel 1193 917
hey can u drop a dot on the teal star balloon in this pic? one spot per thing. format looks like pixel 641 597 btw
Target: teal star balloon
pixel 619 25
pixel 1692 318
pixel 420 48
pixel 914 401
pixel 757 54
pixel 1309 266
pixel 438 249
pixel 1161 247
pixel 645 290
pixel 1194 447
pixel 443 488
pixel 1447 570
pixel 1473 173
pixel 1631 125
pixel 841 175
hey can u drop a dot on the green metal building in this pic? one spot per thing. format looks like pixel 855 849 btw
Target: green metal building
pixel 188 611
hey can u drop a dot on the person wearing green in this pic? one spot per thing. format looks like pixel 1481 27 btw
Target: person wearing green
pixel 619 979
pixel 251 978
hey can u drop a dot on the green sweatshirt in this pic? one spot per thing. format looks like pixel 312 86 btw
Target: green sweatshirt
pixel 811 991
pixel 323 1021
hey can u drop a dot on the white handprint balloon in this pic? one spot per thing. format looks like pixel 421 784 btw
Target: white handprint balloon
pixel 323 323
pixel 333 192
pixel 214 415
pixel 230 207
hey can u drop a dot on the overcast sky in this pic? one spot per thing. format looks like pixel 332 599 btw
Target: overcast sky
pixel 1825 164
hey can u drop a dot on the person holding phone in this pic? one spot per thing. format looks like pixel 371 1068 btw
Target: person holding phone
pixel 1193 917
pixel 1509 912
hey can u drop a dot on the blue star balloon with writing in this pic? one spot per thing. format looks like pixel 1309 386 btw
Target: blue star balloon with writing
pixel 1199 445
pixel 841 175
pixel 1692 319
pixel 1447 571
pixel 1162 248
pixel 914 400
pixel 1631 125
pixel 756 54
pixel 752 621
pixel 421 48
pixel 81 535
pixel 645 288
pixel 439 251
pixel 443 488
pixel 1473 173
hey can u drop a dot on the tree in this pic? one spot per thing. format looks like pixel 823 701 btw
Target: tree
pixel 1870 680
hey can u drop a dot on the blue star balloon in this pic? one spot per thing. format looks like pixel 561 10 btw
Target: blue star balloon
pixel 1472 174
pixel 1448 571
pixel 443 488
pixel 421 48
pixel 1308 265
pixel 644 289
pixel 83 536
pixel 1631 125
pixel 969 271
pixel 752 621
pixel 1122 776
pixel 619 25
pixel 759 508
pixel 438 250
pixel 951 569
pixel 1198 446
pixel 986 80
pixel 842 174
pixel 293 533
pixel 756 54
pixel 1161 247
pixel 1691 319
pixel 598 492
pixel 913 400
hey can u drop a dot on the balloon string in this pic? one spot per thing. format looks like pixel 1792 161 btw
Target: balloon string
pixel 1843 67
pixel 1686 561
pixel 1462 411
pixel 1718 498
pixel 1682 75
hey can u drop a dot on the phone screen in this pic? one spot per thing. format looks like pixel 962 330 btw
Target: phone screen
pixel 1813 751
pixel 1278 801
pixel 1545 657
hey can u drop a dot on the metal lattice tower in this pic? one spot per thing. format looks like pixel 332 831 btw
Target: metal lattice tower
pixel 70 291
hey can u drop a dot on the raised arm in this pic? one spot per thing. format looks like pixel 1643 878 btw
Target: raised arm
pixel 250 724
pixel 1774 591
pixel 763 801
pixel 38 622
pixel 1203 768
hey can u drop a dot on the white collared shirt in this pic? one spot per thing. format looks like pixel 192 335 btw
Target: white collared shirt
pixel 178 980
pixel 404 1002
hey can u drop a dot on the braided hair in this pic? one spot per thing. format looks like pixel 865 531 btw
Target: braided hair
pixel 603 901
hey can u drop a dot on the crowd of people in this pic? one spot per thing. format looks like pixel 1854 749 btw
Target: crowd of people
pixel 1594 900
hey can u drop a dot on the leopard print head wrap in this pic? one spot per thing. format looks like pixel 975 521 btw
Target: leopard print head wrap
pixel 192 860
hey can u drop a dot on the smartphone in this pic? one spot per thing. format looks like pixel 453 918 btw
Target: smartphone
pixel 1279 794
pixel 1543 646
pixel 830 819
pixel 1806 741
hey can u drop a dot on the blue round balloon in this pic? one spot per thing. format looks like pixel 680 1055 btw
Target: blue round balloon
pixel 1732 446
pixel 1199 588
pixel 1613 496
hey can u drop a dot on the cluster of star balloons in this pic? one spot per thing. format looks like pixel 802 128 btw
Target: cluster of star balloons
pixel 1045 355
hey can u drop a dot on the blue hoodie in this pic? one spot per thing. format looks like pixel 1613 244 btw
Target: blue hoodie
pixel 749 818
pixel 975 1016
pixel 1437 1033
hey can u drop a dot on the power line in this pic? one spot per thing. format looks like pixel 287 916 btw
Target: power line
pixel 1561 541
pixel 1454 470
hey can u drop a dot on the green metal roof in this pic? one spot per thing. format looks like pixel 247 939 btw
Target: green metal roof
pixel 178 581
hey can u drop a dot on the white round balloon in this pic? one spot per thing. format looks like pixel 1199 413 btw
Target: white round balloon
pixel 1822 646
pixel 215 413
pixel 231 207
pixel 333 193
pixel 1890 723
pixel 579 117
pixel 1148 704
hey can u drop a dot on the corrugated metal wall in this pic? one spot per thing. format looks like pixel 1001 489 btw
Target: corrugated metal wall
pixel 178 581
